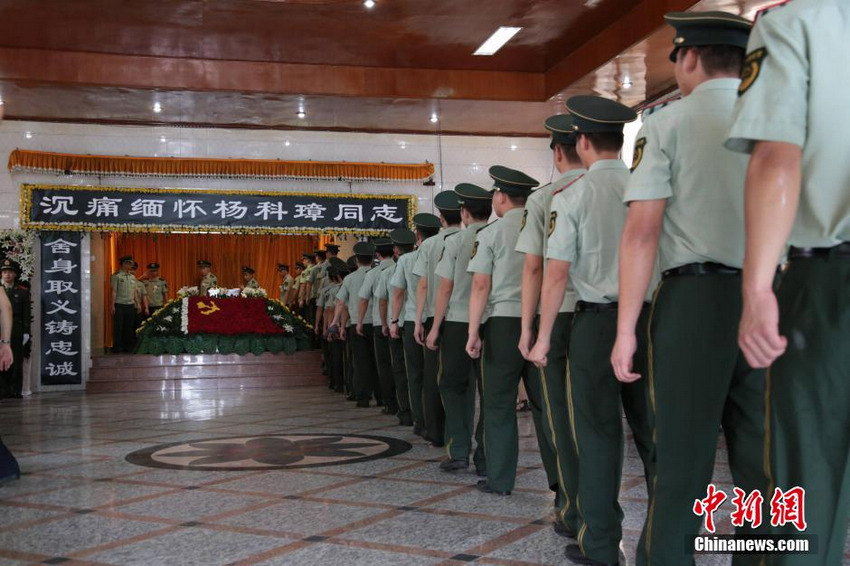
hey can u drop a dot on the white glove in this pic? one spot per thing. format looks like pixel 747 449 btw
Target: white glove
pixel 26 338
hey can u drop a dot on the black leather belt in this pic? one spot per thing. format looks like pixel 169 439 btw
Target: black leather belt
pixel 697 269
pixel 584 306
pixel 841 250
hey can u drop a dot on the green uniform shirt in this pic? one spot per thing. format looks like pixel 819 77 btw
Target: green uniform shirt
pixel 317 278
pixel 680 157
pixel 125 287
pixel 157 291
pixel 453 265
pixel 141 293
pixel 252 284
pixel 383 292
pixel 534 234
pixel 426 262
pixel 404 278
pixel 795 91
pixel 286 286
pixel 494 253
pixel 588 220
pixel 350 293
pixel 369 291
pixel 327 298
pixel 207 282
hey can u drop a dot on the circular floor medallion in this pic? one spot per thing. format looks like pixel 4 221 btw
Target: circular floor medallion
pixel 269 452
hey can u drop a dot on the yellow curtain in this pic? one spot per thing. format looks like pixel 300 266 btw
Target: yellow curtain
pixel 178 254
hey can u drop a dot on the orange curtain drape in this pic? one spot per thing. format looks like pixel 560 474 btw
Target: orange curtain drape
pixel 178 254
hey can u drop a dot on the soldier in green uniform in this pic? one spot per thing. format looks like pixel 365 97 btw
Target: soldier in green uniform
pixel 250 282
pixel 459 374
pixel 348 304
pixel 369 314
pixel 208 280
pixel 325 303
pixel 585 227
pixel 495 297
pixel 532 242
pixel 792 117
pixel 305 290
pixel 12 379
pixel 405 283
pixel 426 292
pixel 295 290
pixel 403 241
pixel 686 205
pixel 287 282
pixel 123 286
pixel 156 288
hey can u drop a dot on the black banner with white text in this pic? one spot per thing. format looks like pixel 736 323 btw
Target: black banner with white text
pixel 61 309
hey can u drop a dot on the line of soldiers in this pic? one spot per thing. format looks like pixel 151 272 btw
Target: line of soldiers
pixel 647 293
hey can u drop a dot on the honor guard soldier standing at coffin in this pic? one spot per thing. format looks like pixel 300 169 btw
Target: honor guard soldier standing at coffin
pixel 208 280
pixel 248 278
pixel 460 375
pixel 426 293
pixel 405 284
pixel 495 301
pixel 532 242
pixel 792 117
pixel 286 285
pixel 11 380
pixel 156 288
pixel 585 227
pixel 123 289
pixel 686 205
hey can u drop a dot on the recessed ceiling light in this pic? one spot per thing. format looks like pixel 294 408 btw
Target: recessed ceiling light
pixel 286 143
pixel 496 41
pixel 513 147
pixel 157 107
pixel 369 3
pixel 301 114
pixel 162 139
pixel 434 118
pixel 402 145
pixel 28 135
pixel 626 83
pixel 1 101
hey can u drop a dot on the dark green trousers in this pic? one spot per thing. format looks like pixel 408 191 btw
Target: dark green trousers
pixel 414 361
pixel 808 394
pixel 349 363
pixel 365 372
pixel 458 379
pixel 123 328
pixel 432 404
pixel 698 381
pixel 402 394
pixel 502 366
pixel 12 380
pixel 595 400
pixel 556 419
pixel 336 366
pixel 384 363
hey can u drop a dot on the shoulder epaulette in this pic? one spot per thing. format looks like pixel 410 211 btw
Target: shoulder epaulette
pixel 453 234
pixel 485 227
pixel 767 9
pixel 570 184
pixel 657 107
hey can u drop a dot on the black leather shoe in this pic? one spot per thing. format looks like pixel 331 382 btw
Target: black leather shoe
pixel 363 404
pixel 350 398
pixel 562 530
pixel 574 554
pixel 484 487
pixel 417 429
pixel 405 420
pixel 449 465
pixel 481 471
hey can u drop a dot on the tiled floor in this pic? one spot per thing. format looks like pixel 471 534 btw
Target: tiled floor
pixel 81 502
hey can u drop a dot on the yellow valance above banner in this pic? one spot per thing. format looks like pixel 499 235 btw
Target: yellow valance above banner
pixel 71 164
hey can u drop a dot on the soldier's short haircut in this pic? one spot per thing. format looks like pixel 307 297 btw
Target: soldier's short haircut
pixel 426 232
pixel 605 141
pixel 364 259
pixel 720 59
pixel 479 209
pixel 570 152
pixel 451 216
pixel 517 201
pixel 404 248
